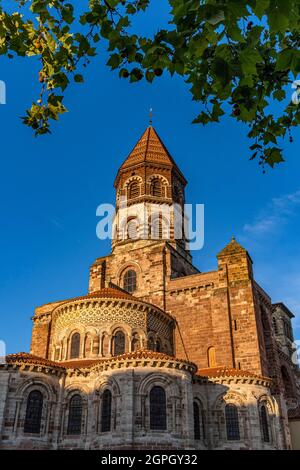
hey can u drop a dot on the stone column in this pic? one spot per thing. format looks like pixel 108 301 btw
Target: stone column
pixel 19 402
pixel 100 345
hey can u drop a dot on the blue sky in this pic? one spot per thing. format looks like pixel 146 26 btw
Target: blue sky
pixel 51 186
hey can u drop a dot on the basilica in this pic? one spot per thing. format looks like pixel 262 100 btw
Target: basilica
pixel 157 354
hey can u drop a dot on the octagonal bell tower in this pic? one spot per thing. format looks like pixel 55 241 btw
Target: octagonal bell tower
pixel 150 195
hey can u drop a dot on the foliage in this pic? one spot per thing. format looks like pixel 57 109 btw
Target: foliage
pixel 236 52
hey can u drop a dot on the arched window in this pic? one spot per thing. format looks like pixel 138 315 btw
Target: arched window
pixel 264 424
pixel 134 190
pixel 211 357
pixel 34 411
pixel 132 229
pixel 156 228
pixel 158 409
pixel 129 281
pixel 156 188
pixel 135 343
pixel 119 343
pixel 158 346
pixel 275 327
pixel 75 415
pixel 199 421
pixel 106 411
pixel 232 423
pixel 75 346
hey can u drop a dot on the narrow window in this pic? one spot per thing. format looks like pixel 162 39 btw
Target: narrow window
pixel 232 423
pixel 264 424
pixel 129 282
pixel 134 190
pixel 156 188
pixel 106 411
pixel 132 229
pixel 196 421
pixel 119 343
pixel 158 409
pixel 211 356
pixel 75 346
pixel 34 410
pixel 75 415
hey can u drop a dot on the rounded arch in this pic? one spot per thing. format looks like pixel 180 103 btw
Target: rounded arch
pixel 132 228
pixel 163 183
pixel 154 378
pixel 234 398
pixel 130 265
pixel 75 343
pixel 36 383
pixel 107 382
pixel 134 178
pixel 211 356
pixel 158 408
pixel 130 280
pixel 118 342
pixel 34 411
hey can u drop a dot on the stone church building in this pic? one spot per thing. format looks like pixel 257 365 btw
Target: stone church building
pixel 157 354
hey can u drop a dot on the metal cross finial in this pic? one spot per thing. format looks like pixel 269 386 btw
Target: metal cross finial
pixel 150 116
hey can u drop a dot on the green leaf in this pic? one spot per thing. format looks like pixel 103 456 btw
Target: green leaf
pixel 78 78
pixel 261 7
pixel 249 59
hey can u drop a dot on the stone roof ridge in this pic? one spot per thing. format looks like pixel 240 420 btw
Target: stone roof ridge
pixel 232 248
pixel 226 371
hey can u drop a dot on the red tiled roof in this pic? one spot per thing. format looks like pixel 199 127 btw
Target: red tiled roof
pixel 85 363
pixel 139 354
pixel 31 359
pixel 224 371
pixel 105 293
pixel 149 148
